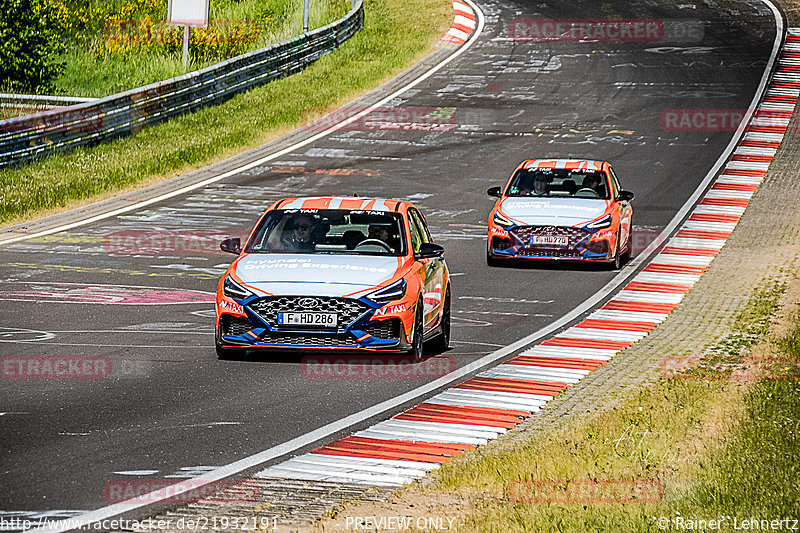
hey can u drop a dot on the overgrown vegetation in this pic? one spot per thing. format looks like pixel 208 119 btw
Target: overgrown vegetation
pixel 29 46
pixel 115 45
pixel 720 448
pixel 396 33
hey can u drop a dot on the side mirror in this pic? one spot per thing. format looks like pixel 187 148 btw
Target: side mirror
pixel 429 250
pixel 232 246
pixel 494 191
pixel 625 196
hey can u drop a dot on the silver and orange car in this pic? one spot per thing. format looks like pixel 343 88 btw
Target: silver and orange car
pixel 335 273
pixel 561 209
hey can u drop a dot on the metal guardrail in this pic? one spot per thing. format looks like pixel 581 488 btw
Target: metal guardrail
pixel 40 101
pixel 40 134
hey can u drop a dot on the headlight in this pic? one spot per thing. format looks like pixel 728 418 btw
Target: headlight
pixel 500 220
pixel 395 291
pixel 231 289
pixel 600 224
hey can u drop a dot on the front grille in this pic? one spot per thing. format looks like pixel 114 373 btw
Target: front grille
pixel 235 326
pixel 308 339
pixel 575 235
pixel 385 329
pixel 348 310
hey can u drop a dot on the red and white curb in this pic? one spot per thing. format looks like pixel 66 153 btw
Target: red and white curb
pixel 418 440
pixel 463 24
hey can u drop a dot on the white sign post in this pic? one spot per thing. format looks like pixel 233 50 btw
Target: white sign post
pixel 188 13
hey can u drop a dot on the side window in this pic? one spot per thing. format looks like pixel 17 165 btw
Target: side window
pixel 416 239
pixel 614 183
pixel 422 228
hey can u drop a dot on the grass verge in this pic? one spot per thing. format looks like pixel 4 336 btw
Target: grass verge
pixel 692 447
pixel 714 444
pixel 122 44
pixel 396 34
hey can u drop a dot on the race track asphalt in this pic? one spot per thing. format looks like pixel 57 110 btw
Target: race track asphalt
pixel 171 409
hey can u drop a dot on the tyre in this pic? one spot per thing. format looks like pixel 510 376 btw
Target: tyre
pixel 616 261
pixel 441 342
pixel 222 352
pixel 491 261
pixel 626 255
pixel 416 341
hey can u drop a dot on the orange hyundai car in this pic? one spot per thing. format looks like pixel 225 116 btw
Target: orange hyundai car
pixel 335 273
pixel 561 209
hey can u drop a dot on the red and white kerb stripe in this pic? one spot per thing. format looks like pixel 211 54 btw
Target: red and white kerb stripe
pixel 463 24
pixel 417 441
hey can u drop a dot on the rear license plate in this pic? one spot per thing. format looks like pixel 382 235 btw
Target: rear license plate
pixel 324 320
pixel 549 240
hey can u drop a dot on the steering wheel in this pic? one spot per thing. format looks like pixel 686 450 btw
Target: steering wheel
pixel 587 192
pixel 375 242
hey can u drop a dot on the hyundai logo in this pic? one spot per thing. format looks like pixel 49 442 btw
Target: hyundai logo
pixel 308 303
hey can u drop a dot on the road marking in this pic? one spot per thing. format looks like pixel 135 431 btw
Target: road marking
pixel 413 451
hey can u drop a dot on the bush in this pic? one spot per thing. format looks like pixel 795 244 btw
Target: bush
pixel 28 43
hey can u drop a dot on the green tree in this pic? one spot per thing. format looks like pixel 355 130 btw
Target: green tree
pixel 29 45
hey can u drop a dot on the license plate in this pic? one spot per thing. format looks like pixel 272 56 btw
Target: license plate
pixel 549 240
pixel 324 320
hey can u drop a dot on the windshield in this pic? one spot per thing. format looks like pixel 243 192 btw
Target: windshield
pixel 317 231
pixel 557 182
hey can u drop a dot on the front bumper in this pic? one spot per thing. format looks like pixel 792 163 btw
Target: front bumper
pixel 356 330
pixel 580 244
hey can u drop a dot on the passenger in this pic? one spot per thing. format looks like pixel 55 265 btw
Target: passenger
pixel 301 236
pixel 382 233
pixel 592 181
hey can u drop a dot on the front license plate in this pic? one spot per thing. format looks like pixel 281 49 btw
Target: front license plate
pixel 549 240
pixel 323 320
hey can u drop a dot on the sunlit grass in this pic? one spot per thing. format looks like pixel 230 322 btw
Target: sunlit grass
pixel 395 35
pixel 719 448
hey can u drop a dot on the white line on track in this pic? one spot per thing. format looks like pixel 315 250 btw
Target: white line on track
pixel 327 430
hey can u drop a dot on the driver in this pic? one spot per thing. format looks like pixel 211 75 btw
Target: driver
pixel 301 236
pixel 381 232
pixel 540 185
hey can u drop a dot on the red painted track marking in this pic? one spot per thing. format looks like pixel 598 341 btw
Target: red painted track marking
pixel 747 187
pixel 468 410
pixel 671 288
pixel 639 307
pixel 710 217
pixel 729 202
pixel 703 234
pixel 618 325
pixel 677 250
pixel 374 454
pixel 598 344
pixel 674 269
pixel 556 362
pixel 523 386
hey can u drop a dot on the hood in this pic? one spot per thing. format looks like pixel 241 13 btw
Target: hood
pixel 553 211
pixel 315 275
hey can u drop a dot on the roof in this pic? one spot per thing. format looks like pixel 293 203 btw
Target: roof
pixel 354 203
pixel 571 164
